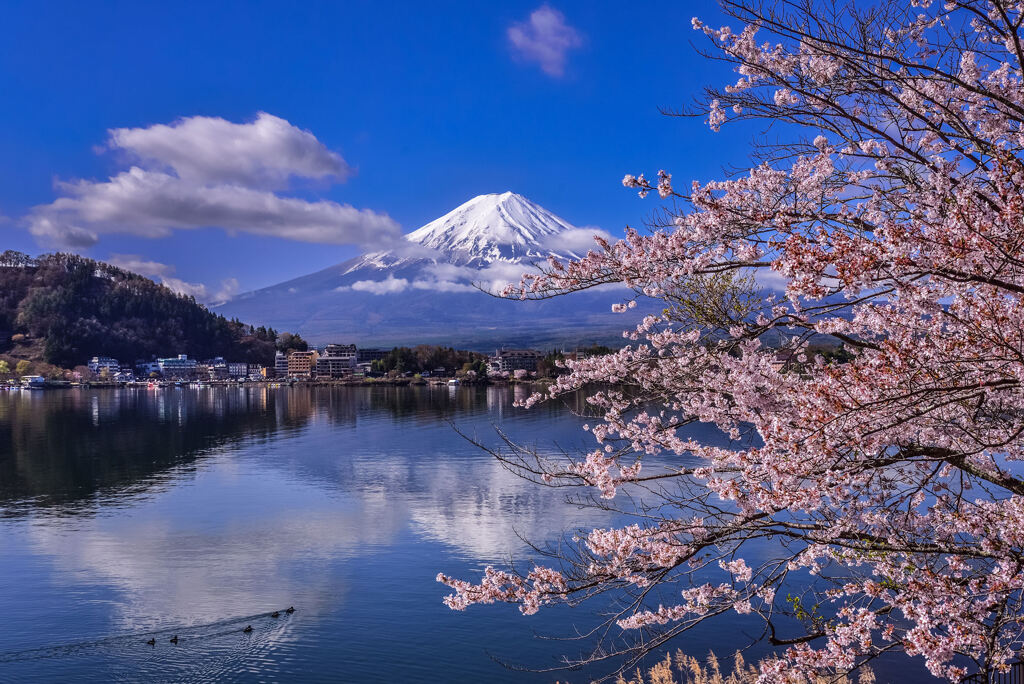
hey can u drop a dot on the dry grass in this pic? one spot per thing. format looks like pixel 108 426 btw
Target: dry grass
pixel 684 669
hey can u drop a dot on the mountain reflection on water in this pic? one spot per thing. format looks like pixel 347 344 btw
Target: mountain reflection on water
pixel 126 512
pixel 71 450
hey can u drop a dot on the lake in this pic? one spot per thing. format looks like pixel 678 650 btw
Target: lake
pixel 133 514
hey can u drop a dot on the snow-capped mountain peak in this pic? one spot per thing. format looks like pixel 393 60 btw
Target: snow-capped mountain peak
pixel 426 290
pixel 495 227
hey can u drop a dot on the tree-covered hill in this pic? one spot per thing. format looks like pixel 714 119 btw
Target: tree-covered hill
pixel 68 308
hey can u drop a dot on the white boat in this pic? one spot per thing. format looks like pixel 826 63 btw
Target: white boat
pixel 453 382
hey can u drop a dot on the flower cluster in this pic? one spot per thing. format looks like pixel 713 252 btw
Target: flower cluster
pixel 895 228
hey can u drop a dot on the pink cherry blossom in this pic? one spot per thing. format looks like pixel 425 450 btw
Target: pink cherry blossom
pixel 888 474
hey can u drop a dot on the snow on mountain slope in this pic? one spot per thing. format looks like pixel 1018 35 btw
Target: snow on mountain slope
pixel 489 228
pixel 425 290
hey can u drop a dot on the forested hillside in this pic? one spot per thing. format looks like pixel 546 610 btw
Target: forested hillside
pixel 65 308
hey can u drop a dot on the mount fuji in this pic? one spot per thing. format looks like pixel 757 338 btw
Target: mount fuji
pixel 427 289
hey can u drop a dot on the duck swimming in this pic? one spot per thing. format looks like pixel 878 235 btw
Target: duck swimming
pixel 247 629
pixel 275 614
pixel 151 642
pixel 174 639
pixel 291 609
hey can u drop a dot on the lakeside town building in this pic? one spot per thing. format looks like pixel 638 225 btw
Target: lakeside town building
pixel 577 355
pixel 178 367
pixel 123 375
pixel 333 361
pixel 281 365
pixel 100 363
pixel 508 360
pixel 341 351
pixel 302 364
pixel 215 368
pixel 238 370
pixel 337 361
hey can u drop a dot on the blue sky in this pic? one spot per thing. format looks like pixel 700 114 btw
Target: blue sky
pixel 413 108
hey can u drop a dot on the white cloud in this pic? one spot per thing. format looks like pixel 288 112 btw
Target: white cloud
pixel 545 38
pixel 228 289
pixel 442 277
pixel 579 241
pixel 499 274
pixel 442 285
pixel 140 265
pixel 770 280
pixel 491 278
pixel 447 277
pixel 197 290
pixel 164 273
pixel 204 172
pixel 389 285
pixel 134 553
pixel 442 270
pixel 209 150
pixel 50 230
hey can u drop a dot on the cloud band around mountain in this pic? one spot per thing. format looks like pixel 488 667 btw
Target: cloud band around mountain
pixel 203 172
pixel 446 277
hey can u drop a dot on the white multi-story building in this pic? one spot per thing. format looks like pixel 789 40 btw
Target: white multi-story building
pixel 215 368
pixel 238 370
pixel 178 367
pixel 336 361
pixel 508 360
pixel 281 365
pixel 341 351
pixel 98 363
pixel 335 366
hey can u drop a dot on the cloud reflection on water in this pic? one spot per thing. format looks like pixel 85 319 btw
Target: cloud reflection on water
pixel 261 496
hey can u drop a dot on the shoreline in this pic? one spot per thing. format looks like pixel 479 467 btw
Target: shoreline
pixel 361 382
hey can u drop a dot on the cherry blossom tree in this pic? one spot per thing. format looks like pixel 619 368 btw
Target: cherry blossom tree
pixel 889 484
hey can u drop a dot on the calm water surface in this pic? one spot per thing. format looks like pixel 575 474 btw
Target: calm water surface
pixel 130 514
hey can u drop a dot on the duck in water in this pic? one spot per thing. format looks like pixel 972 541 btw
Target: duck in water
pixel 275 614
pixel 151 642
pixel 247 629
pixel 174 639
pixel 291 609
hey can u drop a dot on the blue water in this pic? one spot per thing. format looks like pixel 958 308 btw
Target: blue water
pixel 131 514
